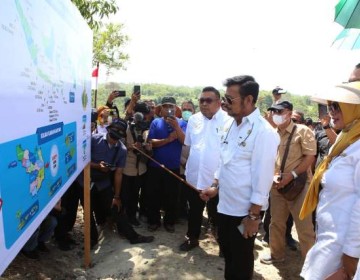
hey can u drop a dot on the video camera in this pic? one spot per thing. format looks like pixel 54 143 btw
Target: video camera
pixel 138 126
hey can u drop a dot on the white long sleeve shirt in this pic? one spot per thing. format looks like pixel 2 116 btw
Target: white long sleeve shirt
pixel 246 172
pixel 203 135
pixel 337 216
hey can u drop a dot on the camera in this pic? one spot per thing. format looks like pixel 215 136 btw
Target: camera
pixel 120 93
pixel 137 90
pixel 138 126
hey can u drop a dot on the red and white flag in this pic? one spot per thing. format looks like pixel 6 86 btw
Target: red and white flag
pixel 94 78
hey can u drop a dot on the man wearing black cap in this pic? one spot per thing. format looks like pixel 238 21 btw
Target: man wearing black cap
pixel 301 154
pixel 167 137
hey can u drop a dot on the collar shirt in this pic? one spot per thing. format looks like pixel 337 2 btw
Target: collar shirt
pixel 302 143
pixel 248 154
pixel 203 135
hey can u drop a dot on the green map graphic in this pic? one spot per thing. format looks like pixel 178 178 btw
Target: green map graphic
pixel 33 163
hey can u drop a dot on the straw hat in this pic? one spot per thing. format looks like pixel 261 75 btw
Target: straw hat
pixel 344 93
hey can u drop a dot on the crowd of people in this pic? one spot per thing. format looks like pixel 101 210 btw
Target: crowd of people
pixel 248 170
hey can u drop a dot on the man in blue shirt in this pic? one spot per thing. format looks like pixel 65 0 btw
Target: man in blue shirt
pixel 167 137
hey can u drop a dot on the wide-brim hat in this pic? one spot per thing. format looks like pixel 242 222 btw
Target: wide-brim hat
pixel 344 93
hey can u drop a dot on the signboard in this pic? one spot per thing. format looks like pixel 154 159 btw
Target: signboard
pixel 45 74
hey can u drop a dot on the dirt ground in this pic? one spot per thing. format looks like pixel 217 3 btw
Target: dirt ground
pixel 116 258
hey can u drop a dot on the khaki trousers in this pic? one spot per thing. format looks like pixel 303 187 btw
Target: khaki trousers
pixel 280 209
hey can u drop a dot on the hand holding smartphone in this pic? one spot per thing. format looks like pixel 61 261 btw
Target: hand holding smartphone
pixel 137 90
pixel 119 93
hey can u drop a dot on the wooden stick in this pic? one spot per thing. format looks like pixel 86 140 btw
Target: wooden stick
pixel 87 259
pixel 166 169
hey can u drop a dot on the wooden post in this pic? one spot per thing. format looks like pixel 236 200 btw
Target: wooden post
pixel 87 216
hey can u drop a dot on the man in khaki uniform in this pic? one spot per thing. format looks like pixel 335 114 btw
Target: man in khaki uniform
pixel 300 157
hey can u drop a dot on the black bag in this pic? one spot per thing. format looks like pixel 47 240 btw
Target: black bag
pixel 294 188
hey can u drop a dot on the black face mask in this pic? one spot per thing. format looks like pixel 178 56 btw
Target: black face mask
pixel 114 136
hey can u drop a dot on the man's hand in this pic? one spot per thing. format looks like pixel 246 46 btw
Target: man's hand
pixel 208 193
pixel 285 179
pixel 116 202
pixel 103 167
pixel 350 265
pixel 173 122
pixel 250 227
pixel 111 97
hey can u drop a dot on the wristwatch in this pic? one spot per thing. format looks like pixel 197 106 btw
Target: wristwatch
pixel 294 174
pixel 326 126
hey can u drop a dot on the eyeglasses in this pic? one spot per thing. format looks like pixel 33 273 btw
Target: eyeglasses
pixel 333 107
pixel 277 111
pixel 207 100
pixel 230 100
pixel 187 110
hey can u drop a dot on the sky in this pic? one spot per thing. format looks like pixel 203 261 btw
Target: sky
pixel 283 43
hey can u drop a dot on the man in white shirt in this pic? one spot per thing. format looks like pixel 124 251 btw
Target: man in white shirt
pixel 244 178
pixel 203 135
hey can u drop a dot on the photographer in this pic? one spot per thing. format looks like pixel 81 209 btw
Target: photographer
pixel 134 173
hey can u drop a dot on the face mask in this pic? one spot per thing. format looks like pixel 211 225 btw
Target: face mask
pixel 278 119
pixel 186 115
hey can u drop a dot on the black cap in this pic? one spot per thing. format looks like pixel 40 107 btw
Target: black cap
pixel 282 105
pixel 117 129
pixel 142 107
pixel 278 91
pixel 168 100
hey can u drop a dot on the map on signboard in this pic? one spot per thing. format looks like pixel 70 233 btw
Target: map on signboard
pixel 46 47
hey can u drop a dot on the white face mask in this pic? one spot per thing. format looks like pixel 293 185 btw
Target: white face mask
pixel 278 119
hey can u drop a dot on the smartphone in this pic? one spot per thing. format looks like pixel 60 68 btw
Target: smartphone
pixel 171 112
pixel 109 165
pixel 322 110
pixel 120 93
pixel 137 89
pixel 241 228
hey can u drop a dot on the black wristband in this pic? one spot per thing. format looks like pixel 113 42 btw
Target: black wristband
pixel 326 126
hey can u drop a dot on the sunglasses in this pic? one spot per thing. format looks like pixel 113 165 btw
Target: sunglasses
pixel 277 111
pixel 333 107
pixel 296 121
pixel 230 100
pixel 206 100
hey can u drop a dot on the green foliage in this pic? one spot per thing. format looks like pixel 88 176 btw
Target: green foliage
pixel 108 42
pixel 109 39
pixel 93 11
pixel 183 93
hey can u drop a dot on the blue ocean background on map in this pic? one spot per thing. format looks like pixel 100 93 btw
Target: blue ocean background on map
pixel 21 202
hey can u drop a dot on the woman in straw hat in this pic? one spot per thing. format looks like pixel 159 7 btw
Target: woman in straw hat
pixel 335 193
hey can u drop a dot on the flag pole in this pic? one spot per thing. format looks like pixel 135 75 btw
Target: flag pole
pixel 96 84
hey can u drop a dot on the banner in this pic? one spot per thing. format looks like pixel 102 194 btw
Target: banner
pixel 46 54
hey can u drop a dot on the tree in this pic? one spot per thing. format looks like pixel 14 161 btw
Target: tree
pixel 108 42
pixel 93 11
pixel 108 38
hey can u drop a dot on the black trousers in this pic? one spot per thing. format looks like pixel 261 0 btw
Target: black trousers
pixel 211 208
pixel 162 193
pixel 130 189
pixel 238 251
pixel 196 208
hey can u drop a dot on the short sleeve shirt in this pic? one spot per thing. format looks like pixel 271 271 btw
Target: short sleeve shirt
pixel 303 143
